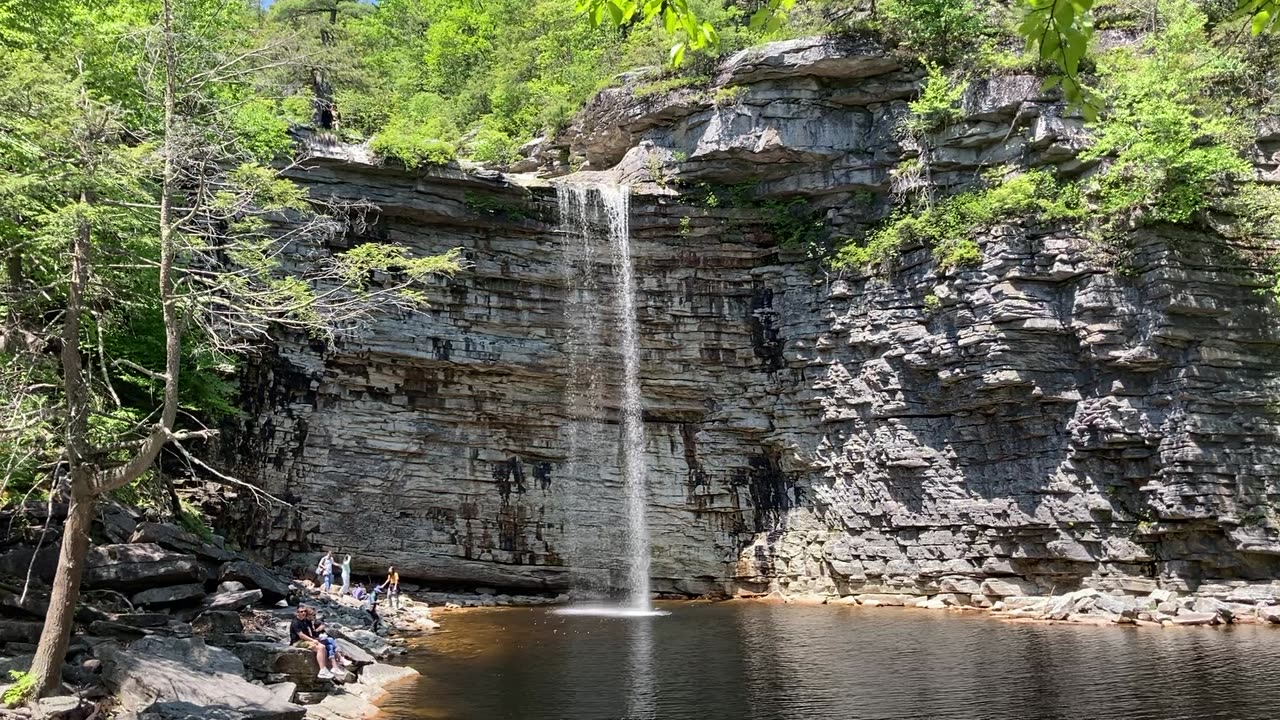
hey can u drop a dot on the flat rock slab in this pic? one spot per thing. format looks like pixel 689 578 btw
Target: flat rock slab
pixel 344 706
pixel 175 538
pixel 64 707
pixel 171 595
pixel 138 567
pixel 142 620
pixel 273 586
pixel 232 600
pixel 20 631
pixel 171 676
pixel 1196 618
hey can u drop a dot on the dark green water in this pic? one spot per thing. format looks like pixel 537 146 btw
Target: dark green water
pixel 753 661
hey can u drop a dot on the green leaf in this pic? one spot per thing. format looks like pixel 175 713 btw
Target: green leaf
pixel 1260 21
pixel 677 54
pixel 1063 13
pixel 759 18
pixel 616 13
pixel 669 20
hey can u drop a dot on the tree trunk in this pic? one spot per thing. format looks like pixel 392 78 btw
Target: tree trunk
pixel 52 650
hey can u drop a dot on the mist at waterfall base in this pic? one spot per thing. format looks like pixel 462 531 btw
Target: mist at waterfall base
pixel 592 216
pixel 742 660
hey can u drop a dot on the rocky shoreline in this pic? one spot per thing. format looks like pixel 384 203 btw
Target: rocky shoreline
pixel 1210 604
pixel 174 626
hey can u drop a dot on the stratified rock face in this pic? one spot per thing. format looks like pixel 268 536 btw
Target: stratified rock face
pixel 1041 420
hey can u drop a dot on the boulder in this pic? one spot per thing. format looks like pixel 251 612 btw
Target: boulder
pixel 357 654
pixel 217 622
pixel 284 690
pixel 265 658
pixel 1117 606
pixel 374 644
pixel 1163 596
pixel 961 585
pixel 1268 613
pixel 175 538
pixel 273 586
pixel 232 586
pixel 232 600
pixel 172 595
pixel 63 707
pixel 381 674
pixel 1008 587
pixel 139 566
pixel 165 675
pixel 1214 606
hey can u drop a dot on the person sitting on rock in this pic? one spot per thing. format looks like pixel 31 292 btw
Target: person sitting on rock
pixel 303 633
pixel 359 592
pixel 330 642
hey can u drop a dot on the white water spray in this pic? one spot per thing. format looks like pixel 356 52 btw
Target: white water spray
pixel 579 215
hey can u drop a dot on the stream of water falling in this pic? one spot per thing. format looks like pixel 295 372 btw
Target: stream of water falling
pixel 584 208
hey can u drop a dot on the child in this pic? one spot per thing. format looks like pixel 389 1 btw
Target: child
pixel 372 608
pixel 359 593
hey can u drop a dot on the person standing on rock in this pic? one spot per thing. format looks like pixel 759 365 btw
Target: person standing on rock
pixel 303 634
pixel 346 575
pixel 392 586
pixel 375 620
pixel 326 568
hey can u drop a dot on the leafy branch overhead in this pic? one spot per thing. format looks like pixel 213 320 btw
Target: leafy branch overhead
pixel 678 17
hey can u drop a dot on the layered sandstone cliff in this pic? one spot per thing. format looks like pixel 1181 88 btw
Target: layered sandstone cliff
pixel 1041 419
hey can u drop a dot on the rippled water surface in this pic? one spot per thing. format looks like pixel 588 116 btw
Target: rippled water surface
pixel 743 661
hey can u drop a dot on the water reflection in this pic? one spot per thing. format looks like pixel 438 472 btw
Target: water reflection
pixel 766 662
pixel 640 701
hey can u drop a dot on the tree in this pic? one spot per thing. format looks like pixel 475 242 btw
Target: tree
pixel 322 53
pixel 155 183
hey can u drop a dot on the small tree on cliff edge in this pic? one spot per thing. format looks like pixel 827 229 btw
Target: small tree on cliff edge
pixel 147 192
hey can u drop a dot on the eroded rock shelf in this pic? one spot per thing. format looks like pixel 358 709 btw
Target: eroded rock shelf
pixel 1045 423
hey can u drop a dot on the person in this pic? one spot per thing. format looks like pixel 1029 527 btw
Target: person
pixel 346 575
pixel 359 592
pixel 303 633
pixel 326 567
pixel 392 586
pixel 330 642
pixel 372 608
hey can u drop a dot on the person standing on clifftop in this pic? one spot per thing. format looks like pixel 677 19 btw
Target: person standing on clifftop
pixel 346 575
pixel 326 568
pixel 392 586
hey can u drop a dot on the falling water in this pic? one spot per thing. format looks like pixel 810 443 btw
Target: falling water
pixel 585 345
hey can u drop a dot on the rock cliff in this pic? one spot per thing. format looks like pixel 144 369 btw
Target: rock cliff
pixel 1039 418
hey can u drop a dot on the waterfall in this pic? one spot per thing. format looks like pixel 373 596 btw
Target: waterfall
pixel 583 212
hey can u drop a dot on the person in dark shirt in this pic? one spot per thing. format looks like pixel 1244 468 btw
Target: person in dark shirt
pixel 303 633
pixel 372 608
